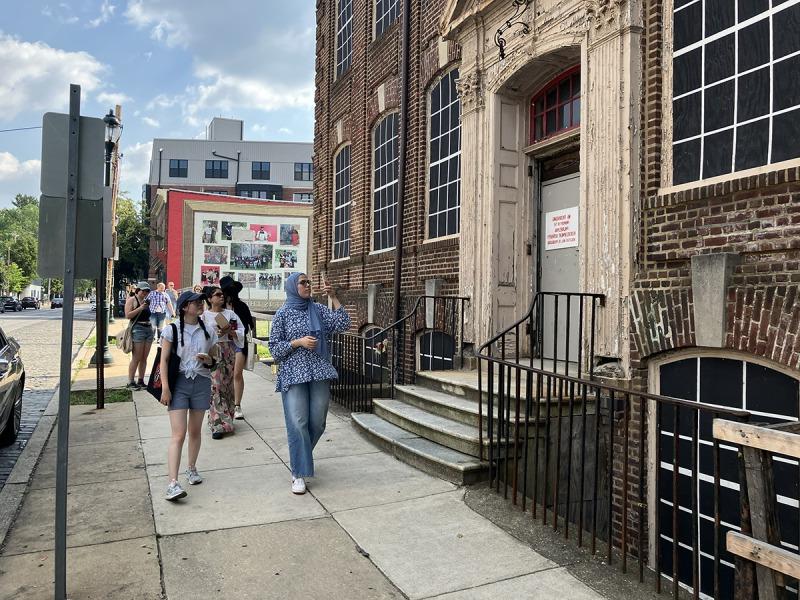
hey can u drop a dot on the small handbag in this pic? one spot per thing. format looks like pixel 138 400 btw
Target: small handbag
pixel 125 337
pixel 155 382
pixel 252 353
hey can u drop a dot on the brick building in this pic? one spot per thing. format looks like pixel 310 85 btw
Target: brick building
pixel 643 151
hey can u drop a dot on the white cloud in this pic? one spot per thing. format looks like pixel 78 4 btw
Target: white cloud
pixel 285 130
pixel 36 77
pixel 62 14
pixel 135 167
pixel 106 12
pixel 11 168
pixel 113 98
pixel 252 64
pixel 151 122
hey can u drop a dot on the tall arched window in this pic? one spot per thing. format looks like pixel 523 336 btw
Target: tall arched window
pixel 444 170
pixel 344 36
pixel 385 140
pixel 341 204
pixel 557 108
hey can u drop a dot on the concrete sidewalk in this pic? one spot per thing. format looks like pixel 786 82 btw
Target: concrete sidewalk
pixel 370 526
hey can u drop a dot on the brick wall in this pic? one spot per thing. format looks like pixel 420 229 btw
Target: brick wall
pixel 352 102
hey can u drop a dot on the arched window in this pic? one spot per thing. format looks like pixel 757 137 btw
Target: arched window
pixel 344 36
pixel 557 108
pixel 341 204
pixel 444 170
pixel 385 141
pixel 771 397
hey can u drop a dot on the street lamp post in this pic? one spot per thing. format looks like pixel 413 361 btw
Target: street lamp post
pixel 113 131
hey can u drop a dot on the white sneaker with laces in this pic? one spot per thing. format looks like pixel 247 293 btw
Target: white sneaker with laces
pixel 237 413
pixel 298 485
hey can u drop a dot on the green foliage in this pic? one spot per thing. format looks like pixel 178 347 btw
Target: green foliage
pixel 89 397
pixel 19 235
pixel 133 240
pixel 12 279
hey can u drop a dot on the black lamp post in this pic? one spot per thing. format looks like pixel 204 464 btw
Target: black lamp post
pixel 113 131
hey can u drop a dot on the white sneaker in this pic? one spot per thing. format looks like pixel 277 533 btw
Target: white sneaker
pixel 298 485
pixel 237 413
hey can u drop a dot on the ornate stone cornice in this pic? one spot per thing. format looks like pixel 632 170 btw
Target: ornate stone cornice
pixel 470 91
pixel 603 15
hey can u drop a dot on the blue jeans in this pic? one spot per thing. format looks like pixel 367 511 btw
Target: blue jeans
pixel 305 408
pixel 157 321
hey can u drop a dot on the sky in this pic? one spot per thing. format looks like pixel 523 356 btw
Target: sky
pixel 172 66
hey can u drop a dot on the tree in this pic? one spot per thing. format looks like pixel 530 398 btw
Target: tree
pixel 133 240
pixel 23 200
pixel 13 279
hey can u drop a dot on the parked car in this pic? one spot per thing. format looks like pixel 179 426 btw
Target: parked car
pixel 93 304
pixel 57 302
pixel 12 382
pixel 9 303
pixel 30 302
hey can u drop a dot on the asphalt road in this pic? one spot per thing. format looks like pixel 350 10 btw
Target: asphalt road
pixel 39 335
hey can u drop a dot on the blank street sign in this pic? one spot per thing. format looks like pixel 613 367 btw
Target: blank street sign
pixel 52 228
pixel 55 148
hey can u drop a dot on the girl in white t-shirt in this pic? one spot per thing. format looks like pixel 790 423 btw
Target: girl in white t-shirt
pixel 188 397
pixel 230 332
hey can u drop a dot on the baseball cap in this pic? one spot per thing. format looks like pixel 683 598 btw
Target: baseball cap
pixel 188 296
pixel 143 285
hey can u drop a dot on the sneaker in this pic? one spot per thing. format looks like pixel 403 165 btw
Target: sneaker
pixel 175 491
pixel 132 386
pixel 298 485
pixel 216 435
pixel 237 413
pixel 142 385
pixel 192 476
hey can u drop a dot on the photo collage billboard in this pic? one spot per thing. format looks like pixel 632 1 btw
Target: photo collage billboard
pixel 258 251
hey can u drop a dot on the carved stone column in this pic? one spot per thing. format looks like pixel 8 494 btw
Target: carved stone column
pixel 473 270
pixel 610 157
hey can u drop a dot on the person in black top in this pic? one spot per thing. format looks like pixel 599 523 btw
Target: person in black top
pixel 231 290
pixel 137 310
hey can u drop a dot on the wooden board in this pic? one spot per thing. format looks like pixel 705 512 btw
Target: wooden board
pixel 763 438
pixel 767 555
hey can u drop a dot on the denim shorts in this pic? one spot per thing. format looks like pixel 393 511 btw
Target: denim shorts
pixel 193 394
pixel 142 333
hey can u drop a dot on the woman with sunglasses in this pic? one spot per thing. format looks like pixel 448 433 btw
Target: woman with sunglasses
pixel 231 340
pixel 299 342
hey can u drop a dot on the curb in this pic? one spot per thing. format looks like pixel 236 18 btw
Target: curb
pixel 16 486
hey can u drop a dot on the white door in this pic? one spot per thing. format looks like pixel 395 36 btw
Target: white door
pixel 559 250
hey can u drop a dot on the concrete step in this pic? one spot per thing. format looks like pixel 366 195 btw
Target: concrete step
pixel 447 432
pixel 457 408
pixel 421 453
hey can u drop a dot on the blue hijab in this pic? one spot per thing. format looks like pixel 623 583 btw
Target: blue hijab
pixel 315 325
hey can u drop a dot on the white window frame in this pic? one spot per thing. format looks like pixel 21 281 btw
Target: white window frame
pixel 454 102
pixel 386 16
pixel 343 29
pixel 340 209
pixel 669 54
pixel 376 190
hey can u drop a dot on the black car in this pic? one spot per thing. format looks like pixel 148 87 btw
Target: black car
pixel 31 302
pixel 8 303
pixel 57 302
pixel 12 382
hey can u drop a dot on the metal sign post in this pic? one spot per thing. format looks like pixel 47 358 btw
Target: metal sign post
pixel 66 343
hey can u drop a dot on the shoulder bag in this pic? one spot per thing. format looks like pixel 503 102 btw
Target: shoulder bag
pixel 154 384
pixel 125 337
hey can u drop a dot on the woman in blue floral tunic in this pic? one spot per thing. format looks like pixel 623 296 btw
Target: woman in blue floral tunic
pixel 298 340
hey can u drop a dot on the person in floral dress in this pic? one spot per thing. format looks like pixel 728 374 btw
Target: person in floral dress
pixel 299 342
pixel 231 340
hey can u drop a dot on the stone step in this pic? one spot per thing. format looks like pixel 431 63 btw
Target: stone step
pixel 447 432
pixel 428 456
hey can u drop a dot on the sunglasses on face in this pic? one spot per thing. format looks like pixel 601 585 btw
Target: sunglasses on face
pixel 217 295
pixel 304 282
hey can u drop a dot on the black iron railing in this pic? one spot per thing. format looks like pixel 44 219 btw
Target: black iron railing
pixel 430 337
pixel 551 335
pixel 576 450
